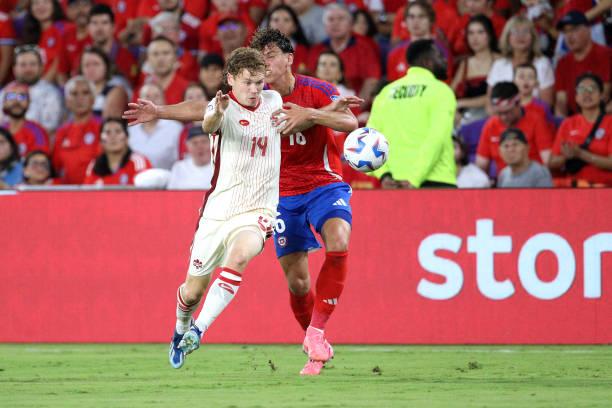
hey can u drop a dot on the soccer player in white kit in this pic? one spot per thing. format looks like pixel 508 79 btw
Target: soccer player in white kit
pixel 239 209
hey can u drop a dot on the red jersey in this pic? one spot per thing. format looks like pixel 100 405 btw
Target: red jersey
pixel 445 18
pixel 6 6
pixel 123 176
pixel 356 52
pixel 189 32
pixel 311 158
pixel 76 144
pixel 597 61
pixel 7 32
pixel 533 124
pixel 208 31
pixel 575 129
pixel 30 137
pixel 457 32
pixel 124 10
pixel 397 64
pixel 125 62
pixel 52 45
pixel 74 47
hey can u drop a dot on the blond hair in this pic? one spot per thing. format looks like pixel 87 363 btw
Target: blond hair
pixel 504 41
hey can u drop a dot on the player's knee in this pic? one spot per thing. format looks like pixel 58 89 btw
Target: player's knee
pixel 337 238
pixel 239 260
pixel 191 294
pixel 299 286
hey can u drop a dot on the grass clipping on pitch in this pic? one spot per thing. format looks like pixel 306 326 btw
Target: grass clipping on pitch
pixel 134 376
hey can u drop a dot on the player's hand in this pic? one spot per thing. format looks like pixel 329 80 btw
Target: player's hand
pixel 344 102
pixel 291 118
pixel 140 112
pixel 222 102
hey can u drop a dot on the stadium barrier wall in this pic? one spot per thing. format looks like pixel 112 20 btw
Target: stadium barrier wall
pixel 439 267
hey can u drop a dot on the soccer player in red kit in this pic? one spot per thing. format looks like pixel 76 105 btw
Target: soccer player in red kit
pixel 312 192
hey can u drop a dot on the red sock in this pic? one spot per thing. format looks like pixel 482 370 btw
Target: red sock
pixel 302 307
pixel 330 284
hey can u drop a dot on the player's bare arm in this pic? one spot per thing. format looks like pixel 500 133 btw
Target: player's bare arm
pixel 145 111
pixel 213 117
pixel 336 116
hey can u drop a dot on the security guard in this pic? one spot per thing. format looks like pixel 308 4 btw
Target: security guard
pixel 416 115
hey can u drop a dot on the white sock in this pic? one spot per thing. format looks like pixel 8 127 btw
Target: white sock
pixel 183 312
pixel 221 293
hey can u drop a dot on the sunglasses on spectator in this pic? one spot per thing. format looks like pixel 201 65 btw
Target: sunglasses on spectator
pixel 43 164
pixel 15 96
pixel 27 48
pixel 582 89
pixel 229 26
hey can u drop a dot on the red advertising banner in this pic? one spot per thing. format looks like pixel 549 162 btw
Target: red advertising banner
pixel 440 267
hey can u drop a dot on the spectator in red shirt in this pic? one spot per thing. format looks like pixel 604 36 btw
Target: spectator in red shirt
pixel 284 19
pixel 101 29
pixel 123 11
pixel 569 143
pixel 420 18
pixel 44 25
pixel 446 16
pixel 28 135
pixel 111 96
pixel 232 34
pixel 470 82
pixel 505 100
pixel 473 7
pixel 211 75
pixel 78 141
pixel 37 169
pixel 167 24
pixel 117 165
pixel 188 25
pixel 362 66
pixel 584 56
pixel 208 30
pixel 7 42
pixel 161 68
pixel 526 79
pixel 76 36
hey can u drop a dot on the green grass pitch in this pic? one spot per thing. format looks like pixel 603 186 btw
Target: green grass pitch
pixel 79 375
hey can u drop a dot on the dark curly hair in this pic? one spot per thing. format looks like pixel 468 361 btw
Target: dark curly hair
pixel 267 36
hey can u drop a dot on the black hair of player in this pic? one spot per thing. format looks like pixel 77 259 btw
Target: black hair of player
pixel 504 90
pixel 266 36
pixel 420 52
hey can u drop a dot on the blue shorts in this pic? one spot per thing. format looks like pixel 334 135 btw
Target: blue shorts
pixel 293 232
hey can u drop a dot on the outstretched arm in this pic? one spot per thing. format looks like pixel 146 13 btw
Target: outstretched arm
pixel 145 111
pixel 337 116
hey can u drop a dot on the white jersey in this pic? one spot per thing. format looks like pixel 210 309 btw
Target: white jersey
pixel 246 157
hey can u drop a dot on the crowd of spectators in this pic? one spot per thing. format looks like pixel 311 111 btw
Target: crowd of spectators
pixel 532 80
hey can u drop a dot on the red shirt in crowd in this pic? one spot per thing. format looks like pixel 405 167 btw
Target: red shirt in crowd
pixel 575 129
pixel 124 10
pixel 30 137
pixel 76 145
pixel 174 92
pixel 445 19
pixel 6 6
pixel 7 33
pixel 397 64
pixel 353 57
pixel 73 48
pixel 597 61
pixel 52 45
pixel 123 176
pixel 457 32
pixel 189 34
pixel 208 30
pixel 538 134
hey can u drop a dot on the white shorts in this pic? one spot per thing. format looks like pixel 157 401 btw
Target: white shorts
pixel 213 237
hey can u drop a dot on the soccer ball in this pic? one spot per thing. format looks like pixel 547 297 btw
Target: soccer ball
pixel 366 149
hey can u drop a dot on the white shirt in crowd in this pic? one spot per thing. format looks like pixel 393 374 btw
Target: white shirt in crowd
pixel 186 175
pixel 161 146
pixel 471 176
pixel 502 70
